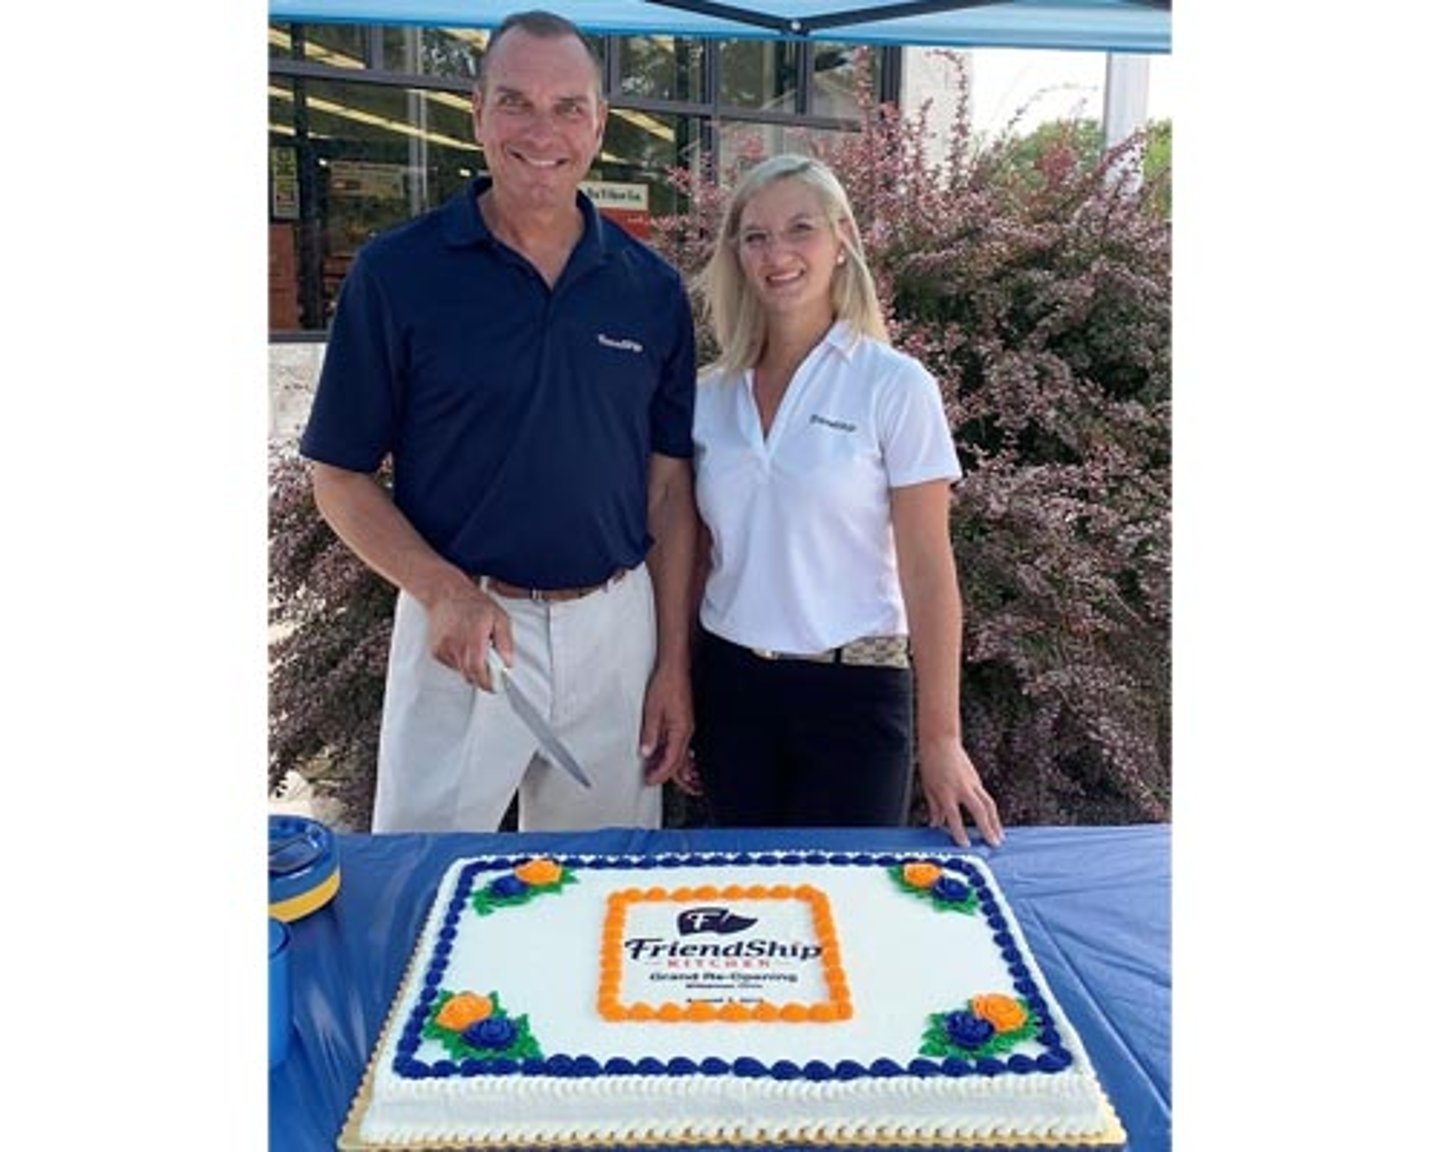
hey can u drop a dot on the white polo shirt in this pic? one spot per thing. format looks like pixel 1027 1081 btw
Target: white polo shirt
pixel 803 554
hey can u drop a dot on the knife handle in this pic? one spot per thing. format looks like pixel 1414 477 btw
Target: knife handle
pixel 498 671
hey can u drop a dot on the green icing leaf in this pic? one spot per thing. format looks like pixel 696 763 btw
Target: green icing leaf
pixel 967 906
pixel 484 901
pixel 522 1046
pixel 525 1046
pixel 936 1039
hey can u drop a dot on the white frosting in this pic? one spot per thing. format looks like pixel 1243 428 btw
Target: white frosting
pixel 903 960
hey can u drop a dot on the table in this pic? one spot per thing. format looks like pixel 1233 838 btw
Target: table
pixel 1093 902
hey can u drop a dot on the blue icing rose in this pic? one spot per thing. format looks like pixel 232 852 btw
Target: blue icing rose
pixel 492 1032
pixel 951 889
pixel 968 1030
pixel 507 885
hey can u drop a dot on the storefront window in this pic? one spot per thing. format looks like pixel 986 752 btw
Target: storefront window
pixel 336 45
pixel 759 74
pixel 353 155
pixel 449 52
pixel 742 144
pixel 835 84
pixel 662 68
pixel 643 148
pixel 365 158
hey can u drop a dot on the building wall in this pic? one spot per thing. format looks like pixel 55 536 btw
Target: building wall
pixel 930 74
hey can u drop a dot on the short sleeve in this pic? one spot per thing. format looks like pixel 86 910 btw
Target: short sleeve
pixel 915 437
pixel 353 419
pixel 672 411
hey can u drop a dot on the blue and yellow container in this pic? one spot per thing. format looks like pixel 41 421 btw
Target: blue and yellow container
pixel 304 867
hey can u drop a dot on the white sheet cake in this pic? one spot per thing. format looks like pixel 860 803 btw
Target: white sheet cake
pixel 757 998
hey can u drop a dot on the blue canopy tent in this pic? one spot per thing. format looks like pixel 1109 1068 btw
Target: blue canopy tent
pixel 1130 26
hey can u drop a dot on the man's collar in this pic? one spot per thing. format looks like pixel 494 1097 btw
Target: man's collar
pixel 465 225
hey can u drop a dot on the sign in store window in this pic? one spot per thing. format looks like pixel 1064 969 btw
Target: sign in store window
pixel 363 179
pixel 284 184
pixel 626 204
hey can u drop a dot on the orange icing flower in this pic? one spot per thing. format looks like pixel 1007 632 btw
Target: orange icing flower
pixel 463 1010
pixel 540 870
pixel 920 873
pixel 1002 1011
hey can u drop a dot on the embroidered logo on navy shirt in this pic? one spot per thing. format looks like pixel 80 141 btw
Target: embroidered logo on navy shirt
pixel 838 425
pixel 626 345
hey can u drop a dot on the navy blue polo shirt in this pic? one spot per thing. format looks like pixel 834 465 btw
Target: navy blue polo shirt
pixel 520 418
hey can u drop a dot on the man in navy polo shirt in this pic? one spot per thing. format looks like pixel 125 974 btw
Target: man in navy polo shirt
pixel 529 369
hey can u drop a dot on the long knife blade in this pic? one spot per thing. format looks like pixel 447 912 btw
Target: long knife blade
pixel 551 744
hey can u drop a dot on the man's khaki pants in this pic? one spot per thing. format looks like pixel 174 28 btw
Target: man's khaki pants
pixel 452 756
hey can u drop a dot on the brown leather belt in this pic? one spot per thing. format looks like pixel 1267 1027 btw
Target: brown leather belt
pixel 547 595
pixel 868 652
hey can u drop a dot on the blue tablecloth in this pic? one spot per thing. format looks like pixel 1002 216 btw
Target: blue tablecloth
pixel 1093 902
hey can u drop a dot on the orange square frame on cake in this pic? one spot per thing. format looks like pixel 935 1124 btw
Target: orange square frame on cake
pixel 833 1005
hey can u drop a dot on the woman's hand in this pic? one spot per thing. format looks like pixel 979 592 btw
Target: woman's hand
pixel 953 787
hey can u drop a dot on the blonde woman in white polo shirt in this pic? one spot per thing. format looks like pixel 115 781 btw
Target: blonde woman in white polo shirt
pixel 830 617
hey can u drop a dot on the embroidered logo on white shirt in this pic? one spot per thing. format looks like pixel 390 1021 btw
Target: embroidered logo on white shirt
pixel 838 425
pixel 626 345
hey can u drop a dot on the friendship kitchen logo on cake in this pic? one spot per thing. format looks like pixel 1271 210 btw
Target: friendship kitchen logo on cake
pixel 721 921
pixel 772 956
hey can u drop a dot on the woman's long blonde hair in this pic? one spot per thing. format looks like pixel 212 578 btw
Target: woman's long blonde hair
pixel 733 312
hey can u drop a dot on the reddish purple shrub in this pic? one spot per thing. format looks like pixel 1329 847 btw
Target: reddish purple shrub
pixel 330 618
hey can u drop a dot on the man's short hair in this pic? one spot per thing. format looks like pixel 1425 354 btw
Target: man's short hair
pixel 544 26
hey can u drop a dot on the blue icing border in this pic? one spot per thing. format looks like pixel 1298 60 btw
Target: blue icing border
pixel 1056 1057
